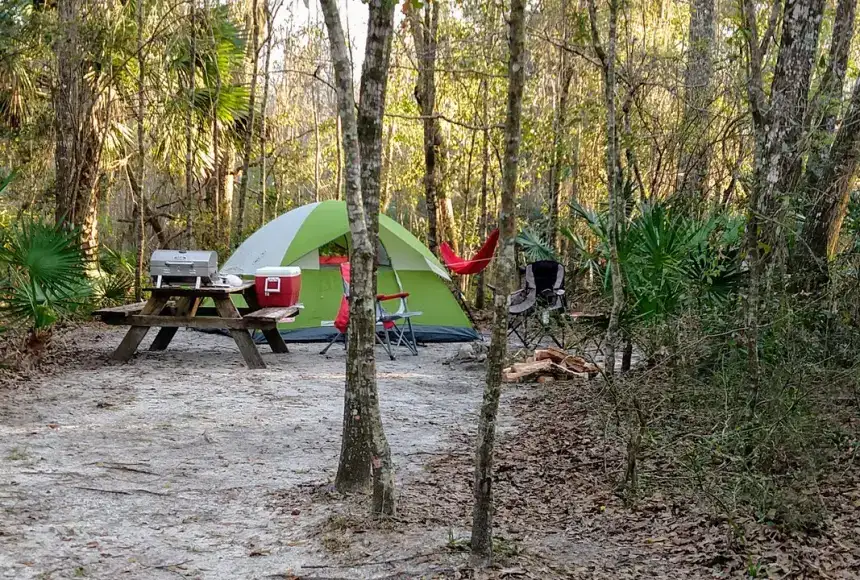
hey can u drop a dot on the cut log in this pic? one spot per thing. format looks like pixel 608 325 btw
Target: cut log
pixel 556 355
pixel 531 371
pixel 572 362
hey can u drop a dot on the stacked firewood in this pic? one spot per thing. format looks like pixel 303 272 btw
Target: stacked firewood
pixel 548 365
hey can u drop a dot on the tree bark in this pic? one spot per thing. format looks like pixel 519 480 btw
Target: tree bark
pixel 249 130
pixel 425 39
pixel 480 294
pixel 829 188
pixel 559 132
pixel 189 129
pixel 695 154
pixel 781 137
pixel 266 74
pixel 78 143
pixel 140 223
pixel 828 99
pixel 385 193
pixel 616 204
pixel 371 108
pixel 832 161
pixel 482 521
pixel 364 449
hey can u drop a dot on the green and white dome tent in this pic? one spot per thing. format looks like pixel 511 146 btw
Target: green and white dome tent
pixel 315 237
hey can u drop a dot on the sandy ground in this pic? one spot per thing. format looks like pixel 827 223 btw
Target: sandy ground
pixel 166 467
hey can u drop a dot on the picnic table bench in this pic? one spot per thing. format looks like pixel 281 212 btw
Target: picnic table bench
pixel 185 311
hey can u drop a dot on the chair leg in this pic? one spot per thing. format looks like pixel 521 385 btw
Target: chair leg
pixel 387 345
pixel 413 346
pixel 332 341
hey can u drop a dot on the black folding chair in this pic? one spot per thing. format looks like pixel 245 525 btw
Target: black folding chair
pixel 538 304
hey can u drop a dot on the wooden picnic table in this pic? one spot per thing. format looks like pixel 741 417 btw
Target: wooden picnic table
pixel 185 311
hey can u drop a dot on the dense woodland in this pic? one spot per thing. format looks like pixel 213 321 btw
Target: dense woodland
pixel 692 164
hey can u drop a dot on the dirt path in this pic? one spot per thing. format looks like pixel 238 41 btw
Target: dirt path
pixel 167 466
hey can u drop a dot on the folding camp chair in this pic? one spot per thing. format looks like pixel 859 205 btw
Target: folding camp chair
pixel 539 301
pixel 404 333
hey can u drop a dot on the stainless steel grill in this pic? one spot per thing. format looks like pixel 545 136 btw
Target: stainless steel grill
pixel 180 267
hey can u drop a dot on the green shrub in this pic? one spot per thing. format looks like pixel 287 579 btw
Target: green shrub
pixel 42 277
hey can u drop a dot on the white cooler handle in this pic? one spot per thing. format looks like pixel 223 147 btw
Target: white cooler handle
pixel 270 289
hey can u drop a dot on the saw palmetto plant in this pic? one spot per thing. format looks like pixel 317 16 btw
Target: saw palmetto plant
pixel 42 275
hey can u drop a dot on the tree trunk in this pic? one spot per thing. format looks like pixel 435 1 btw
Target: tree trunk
pixel 226 186
pixel 467 190
pixel 339 143
pixel 90 230
pixel 616 204
pixel 371 108
pixel 266 73
pixel 829 187
pixel 315 101
pixel 781 136
pixel 215 199
pixel 559 127
pixel 480 294
pixel 385 193
pixel 189 141
pixel 425 39
pixel 828 99
pixel 827 179
pixel 364 449
pixel 78 143
pixel 249 130
pixel 482 523
pixel 141 157
pixel 695 153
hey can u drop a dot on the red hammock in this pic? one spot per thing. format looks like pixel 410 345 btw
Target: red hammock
pixel 478 262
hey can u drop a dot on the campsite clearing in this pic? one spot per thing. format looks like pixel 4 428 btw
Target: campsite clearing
pixel 127 470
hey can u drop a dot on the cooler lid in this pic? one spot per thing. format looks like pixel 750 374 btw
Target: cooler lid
pixel 279 271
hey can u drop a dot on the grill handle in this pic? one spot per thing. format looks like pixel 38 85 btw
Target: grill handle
pixel 171 263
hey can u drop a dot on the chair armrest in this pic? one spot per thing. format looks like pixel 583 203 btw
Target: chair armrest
pixel 384 297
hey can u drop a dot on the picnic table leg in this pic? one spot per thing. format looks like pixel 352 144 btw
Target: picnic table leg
pixel 275 340
pixel 135 334
pixel 184 307
pixel 273 337
pixel 243 339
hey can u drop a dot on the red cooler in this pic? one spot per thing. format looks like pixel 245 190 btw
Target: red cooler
pixel 278 286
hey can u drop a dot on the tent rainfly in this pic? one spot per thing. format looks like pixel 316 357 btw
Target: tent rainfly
pixel 315 237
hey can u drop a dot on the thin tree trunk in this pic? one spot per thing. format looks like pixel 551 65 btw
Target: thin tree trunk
pixel 217 167
pixel 263 141
pixel 559 133
pixel 467 190
pixel 385 194
pixel 364 447
pixel 482 523
pixel 189 140
pixel 141 157
pixel 616 204
pixel 424 36
pixel 316 143
pixel 695 155
pixel 339 143
pixel 249 130
pixel 480 295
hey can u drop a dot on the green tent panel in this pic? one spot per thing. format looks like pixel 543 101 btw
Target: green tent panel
pixel 296 238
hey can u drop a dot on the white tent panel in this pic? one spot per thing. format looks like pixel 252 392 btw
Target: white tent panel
pixel 268 245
